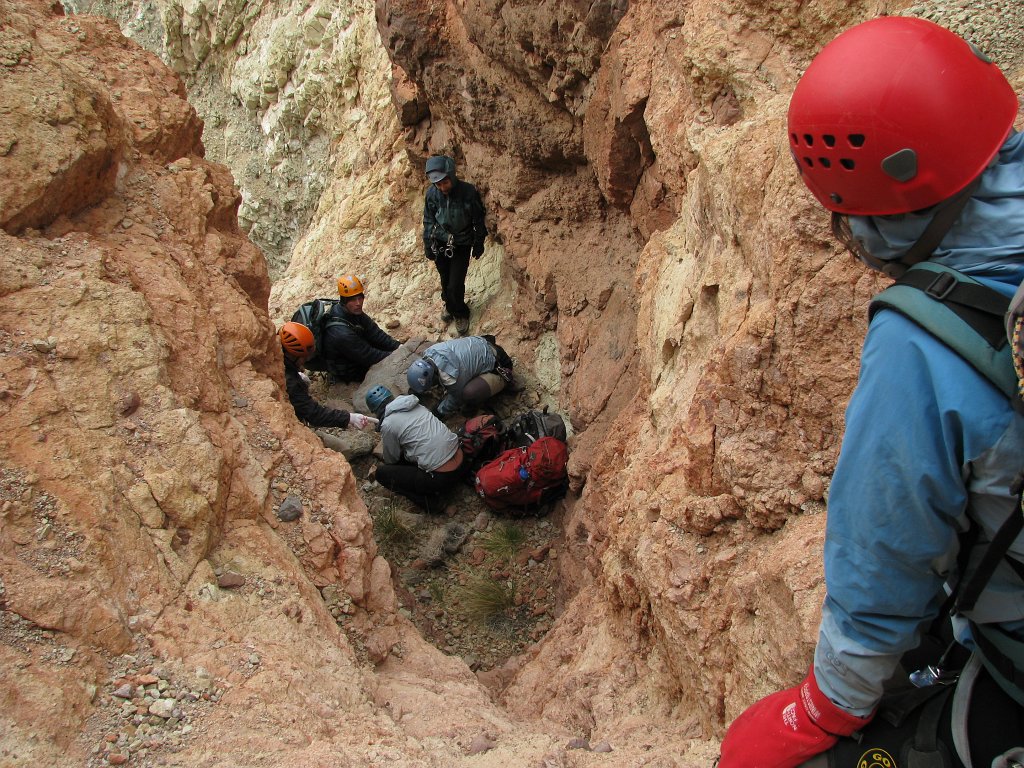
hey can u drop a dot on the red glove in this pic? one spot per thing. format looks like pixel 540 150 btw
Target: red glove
pixel 787 728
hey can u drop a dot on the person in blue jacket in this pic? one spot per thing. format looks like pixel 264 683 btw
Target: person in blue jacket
pixel 453 230
pixel 905 133
pixel 470 370
pixel 353 342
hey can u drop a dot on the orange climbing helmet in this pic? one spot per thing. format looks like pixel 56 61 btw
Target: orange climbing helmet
pixel 297 340
pixel 349 286
pixel 896 115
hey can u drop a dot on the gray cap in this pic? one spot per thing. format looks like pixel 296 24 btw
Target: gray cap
pixel 439 167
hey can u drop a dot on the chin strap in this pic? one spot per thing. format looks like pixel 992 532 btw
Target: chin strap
pixel 946 214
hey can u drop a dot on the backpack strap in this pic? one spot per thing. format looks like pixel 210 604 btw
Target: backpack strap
pixel 972 320
pixel 961 312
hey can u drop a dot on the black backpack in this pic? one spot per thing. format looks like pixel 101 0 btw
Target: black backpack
pixel 522 430
pixel 316 315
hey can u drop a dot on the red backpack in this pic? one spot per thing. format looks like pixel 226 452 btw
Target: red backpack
pixel 480 438
pixel 525 477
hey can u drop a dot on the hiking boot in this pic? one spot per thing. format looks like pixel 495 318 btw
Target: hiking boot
pixel 446 316
pixel 462 325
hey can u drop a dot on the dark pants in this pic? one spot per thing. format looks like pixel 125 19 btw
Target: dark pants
pixel 452 272
pixel 425 489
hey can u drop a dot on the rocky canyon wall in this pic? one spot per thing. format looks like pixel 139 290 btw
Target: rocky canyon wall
pixel 656 268
pixel 154 609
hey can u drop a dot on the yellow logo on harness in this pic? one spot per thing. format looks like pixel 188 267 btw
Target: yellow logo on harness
pixel 876 758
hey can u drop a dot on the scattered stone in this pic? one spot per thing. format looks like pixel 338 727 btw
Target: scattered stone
pixel 124 692
pixel 290 509
pixel 578 743
pixel 46 345
pixel 540 553
pixel 481 743
pixel 602 746
pixel 162 708
pixel 392 324
pixel 481 521
pixel 129 404
pixel 477 556
pixel 230 580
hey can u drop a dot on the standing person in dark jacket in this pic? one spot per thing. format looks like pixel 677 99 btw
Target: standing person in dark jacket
pixel 453 230
pixel 352 341
pixel 297 344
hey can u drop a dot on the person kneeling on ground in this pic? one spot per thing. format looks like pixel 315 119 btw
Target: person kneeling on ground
pixel 297 344
pixel 471 370
pixel 353 342
pixel 422 457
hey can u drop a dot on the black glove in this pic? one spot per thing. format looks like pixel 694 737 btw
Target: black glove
pixel 430 251
pixel 478 250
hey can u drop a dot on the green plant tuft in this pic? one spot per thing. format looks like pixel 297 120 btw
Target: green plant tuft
pixel 390 528
pixel 504 540
pixel 484 598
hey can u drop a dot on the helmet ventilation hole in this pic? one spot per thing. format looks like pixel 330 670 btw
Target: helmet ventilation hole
pixel 829 139
pixel 808 162
pixel 856 139
pixel 847 163
pixel 824 162
pixel 808 140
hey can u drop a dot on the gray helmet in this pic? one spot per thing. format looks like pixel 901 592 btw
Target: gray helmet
pixel 439 167
pixel 378 398
pixel 421 375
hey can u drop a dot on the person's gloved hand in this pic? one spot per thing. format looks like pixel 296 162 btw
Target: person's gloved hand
pixel 430 251
pixel 478 250
pixel 358 421
pixel 787 728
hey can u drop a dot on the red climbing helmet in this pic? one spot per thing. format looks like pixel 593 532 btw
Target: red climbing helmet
pixel 896 115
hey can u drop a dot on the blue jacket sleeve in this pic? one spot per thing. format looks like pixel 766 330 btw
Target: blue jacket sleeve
pixel 918 418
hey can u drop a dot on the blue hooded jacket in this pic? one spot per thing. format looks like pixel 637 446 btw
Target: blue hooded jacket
pixel 930 447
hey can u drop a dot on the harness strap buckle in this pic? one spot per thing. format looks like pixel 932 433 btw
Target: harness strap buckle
pixel 941 286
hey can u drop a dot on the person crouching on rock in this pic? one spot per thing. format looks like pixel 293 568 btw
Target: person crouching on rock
pixel 471 370
pixel 297 344
pixel 422 457
pixel 353 342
